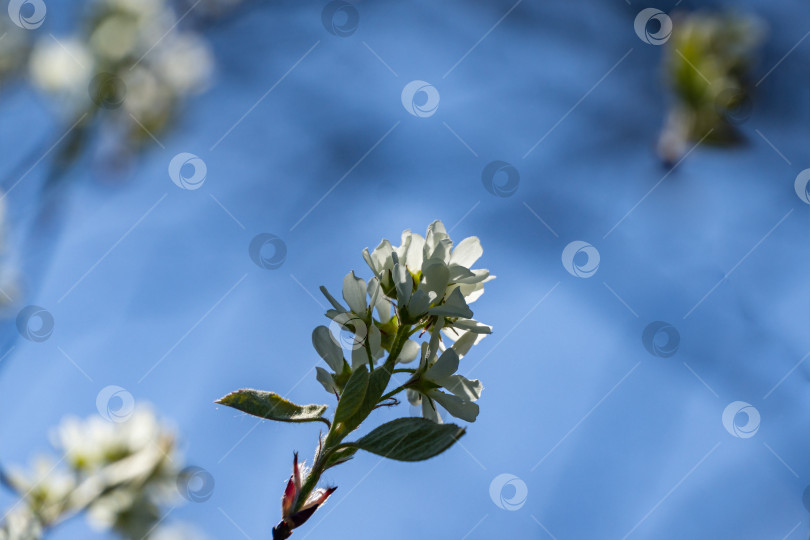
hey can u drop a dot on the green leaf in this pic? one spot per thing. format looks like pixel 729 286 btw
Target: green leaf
pixel 377 382
pixel 410 439
pixel 273 407
pixel 353 394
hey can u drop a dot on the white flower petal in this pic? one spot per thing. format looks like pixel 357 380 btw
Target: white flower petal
pixel 441 250
pixel 472 292
pixel 418 304
pixel 454 306
pixel 465 342
pixel 472 326
pixel 456 406
pixel 354 293
pixel 335 304
pixel 405 241
pixel 435 232
pixel 380 259
pixel 327 348
pixel 460 273
pixel 464 387
pixel 379 300
pixel 413 255
pixel 446 365
pixel 435 340
pixel 429 410
pixel 409 352
pixel 475 276
pixel 467 252
pixel 325 378
pixel 414 397
pixel 371 263
pixel 436 276
pixel 404 284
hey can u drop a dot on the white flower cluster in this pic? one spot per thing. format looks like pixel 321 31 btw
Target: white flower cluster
pixel 119 473
pixel 20 524
pixel 425 285
pixel 131 55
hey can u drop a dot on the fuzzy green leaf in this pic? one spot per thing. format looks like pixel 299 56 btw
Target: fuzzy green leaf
pixel 409 439
pixel 273 407
pixel 353 394
pixel 377 382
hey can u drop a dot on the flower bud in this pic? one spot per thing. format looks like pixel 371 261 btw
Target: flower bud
pixel 290 517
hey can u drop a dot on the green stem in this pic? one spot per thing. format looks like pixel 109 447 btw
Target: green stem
pixel 403 333
pixel 394 392
pixel 335 435
pixel 367 347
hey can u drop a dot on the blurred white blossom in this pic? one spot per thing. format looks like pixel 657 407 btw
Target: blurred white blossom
pixel 63 68
pixel 184 62
pixel 20 524
pixel 121 474
pixel 134 53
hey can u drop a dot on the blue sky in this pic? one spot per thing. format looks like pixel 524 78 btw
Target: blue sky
pixel 151 287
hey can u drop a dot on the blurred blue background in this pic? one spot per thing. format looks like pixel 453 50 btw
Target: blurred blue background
pixel 152 289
